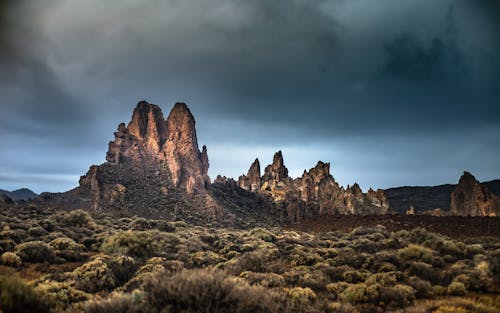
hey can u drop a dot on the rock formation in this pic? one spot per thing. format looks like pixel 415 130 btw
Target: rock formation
pixel 151 162
pixel 470 198
pixel 252 180
pixel 314 193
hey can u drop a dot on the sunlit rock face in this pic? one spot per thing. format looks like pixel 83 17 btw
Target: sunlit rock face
pixel 314 193
pixel 470 198
pixel 151 159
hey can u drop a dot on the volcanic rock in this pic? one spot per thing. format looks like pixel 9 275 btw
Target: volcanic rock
pixel 470 198
pixel 251 181
pixel 151 164
pixel 314 193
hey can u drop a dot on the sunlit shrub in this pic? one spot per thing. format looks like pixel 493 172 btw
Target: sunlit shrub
pixel 63 295
pixel 68 249
pixel 94 276
pixel 416 253
pixel 456 289
pixel 10 259
pixel 140 244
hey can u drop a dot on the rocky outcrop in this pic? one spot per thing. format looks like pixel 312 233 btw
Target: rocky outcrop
pixel 151 162
pixel 314 193
pixel 251 181
pixel 470 198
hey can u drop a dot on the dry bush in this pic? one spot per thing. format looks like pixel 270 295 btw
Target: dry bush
pixel 10 259
pixel 207 291
pixel 18 297
pixel 35 251
pixel 68 249
pixel 94 276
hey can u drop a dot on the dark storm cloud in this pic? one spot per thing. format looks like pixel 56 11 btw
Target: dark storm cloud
pixel 328 75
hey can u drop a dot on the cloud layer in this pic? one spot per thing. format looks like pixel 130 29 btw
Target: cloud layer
pixel 390 92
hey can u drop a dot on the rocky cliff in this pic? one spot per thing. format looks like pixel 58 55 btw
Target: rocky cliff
pixel 470 198
pixel 152 164
pixel 314 193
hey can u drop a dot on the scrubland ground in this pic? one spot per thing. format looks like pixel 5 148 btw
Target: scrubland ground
pixel 54 261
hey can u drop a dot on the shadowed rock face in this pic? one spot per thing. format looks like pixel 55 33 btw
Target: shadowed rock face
pixel 315 193
pixel 150 158
pixel 470 198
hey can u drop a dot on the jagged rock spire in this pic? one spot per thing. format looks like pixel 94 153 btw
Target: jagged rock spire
pixel 150 155
pixel 187 164
pixel 277 170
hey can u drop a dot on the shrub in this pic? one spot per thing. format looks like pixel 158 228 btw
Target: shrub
pixel 94 276
pixel 398 296
pixel 355 276
pixel 383 279
pixel 62 294
pixel 423 289
pixel 35 251
pixel 205 258
pixel 207 291
pixel 456 289
pixel 10 259
pixel 18 297
pixel 78 218
pixel 425 271
pixel 140 244
pixel 359 293
pixel 68 249
pixel 118 302
pixel 301 296
pixel 337 288
pixel 263 279
pixel 262 234
pixel 416 253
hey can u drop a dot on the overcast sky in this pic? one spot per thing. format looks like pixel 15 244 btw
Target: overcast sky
pixel 390 92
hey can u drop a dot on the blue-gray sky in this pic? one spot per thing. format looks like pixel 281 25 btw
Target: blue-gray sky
pixel 390 92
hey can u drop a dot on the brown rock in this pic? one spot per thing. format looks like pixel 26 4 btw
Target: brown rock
pixel 470 198
pixel 150 162
pixel 277 170
pixel 188 166
pixel 314 193
pixel 251 181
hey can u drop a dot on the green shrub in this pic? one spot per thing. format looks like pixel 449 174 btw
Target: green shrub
pixel 78 218
pixel 10 259
pixel 35 251
pixel 336 289
pixel 63 295
pixel 68 249
pixel 416 253
pixel 301 296
pixel 140 244
pixel 456 289
pixel 383 279
pixel 94 276
pixel 360 293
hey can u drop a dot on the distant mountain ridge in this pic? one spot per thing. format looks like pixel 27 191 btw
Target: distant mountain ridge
pixel 427 198
pixel 19 194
